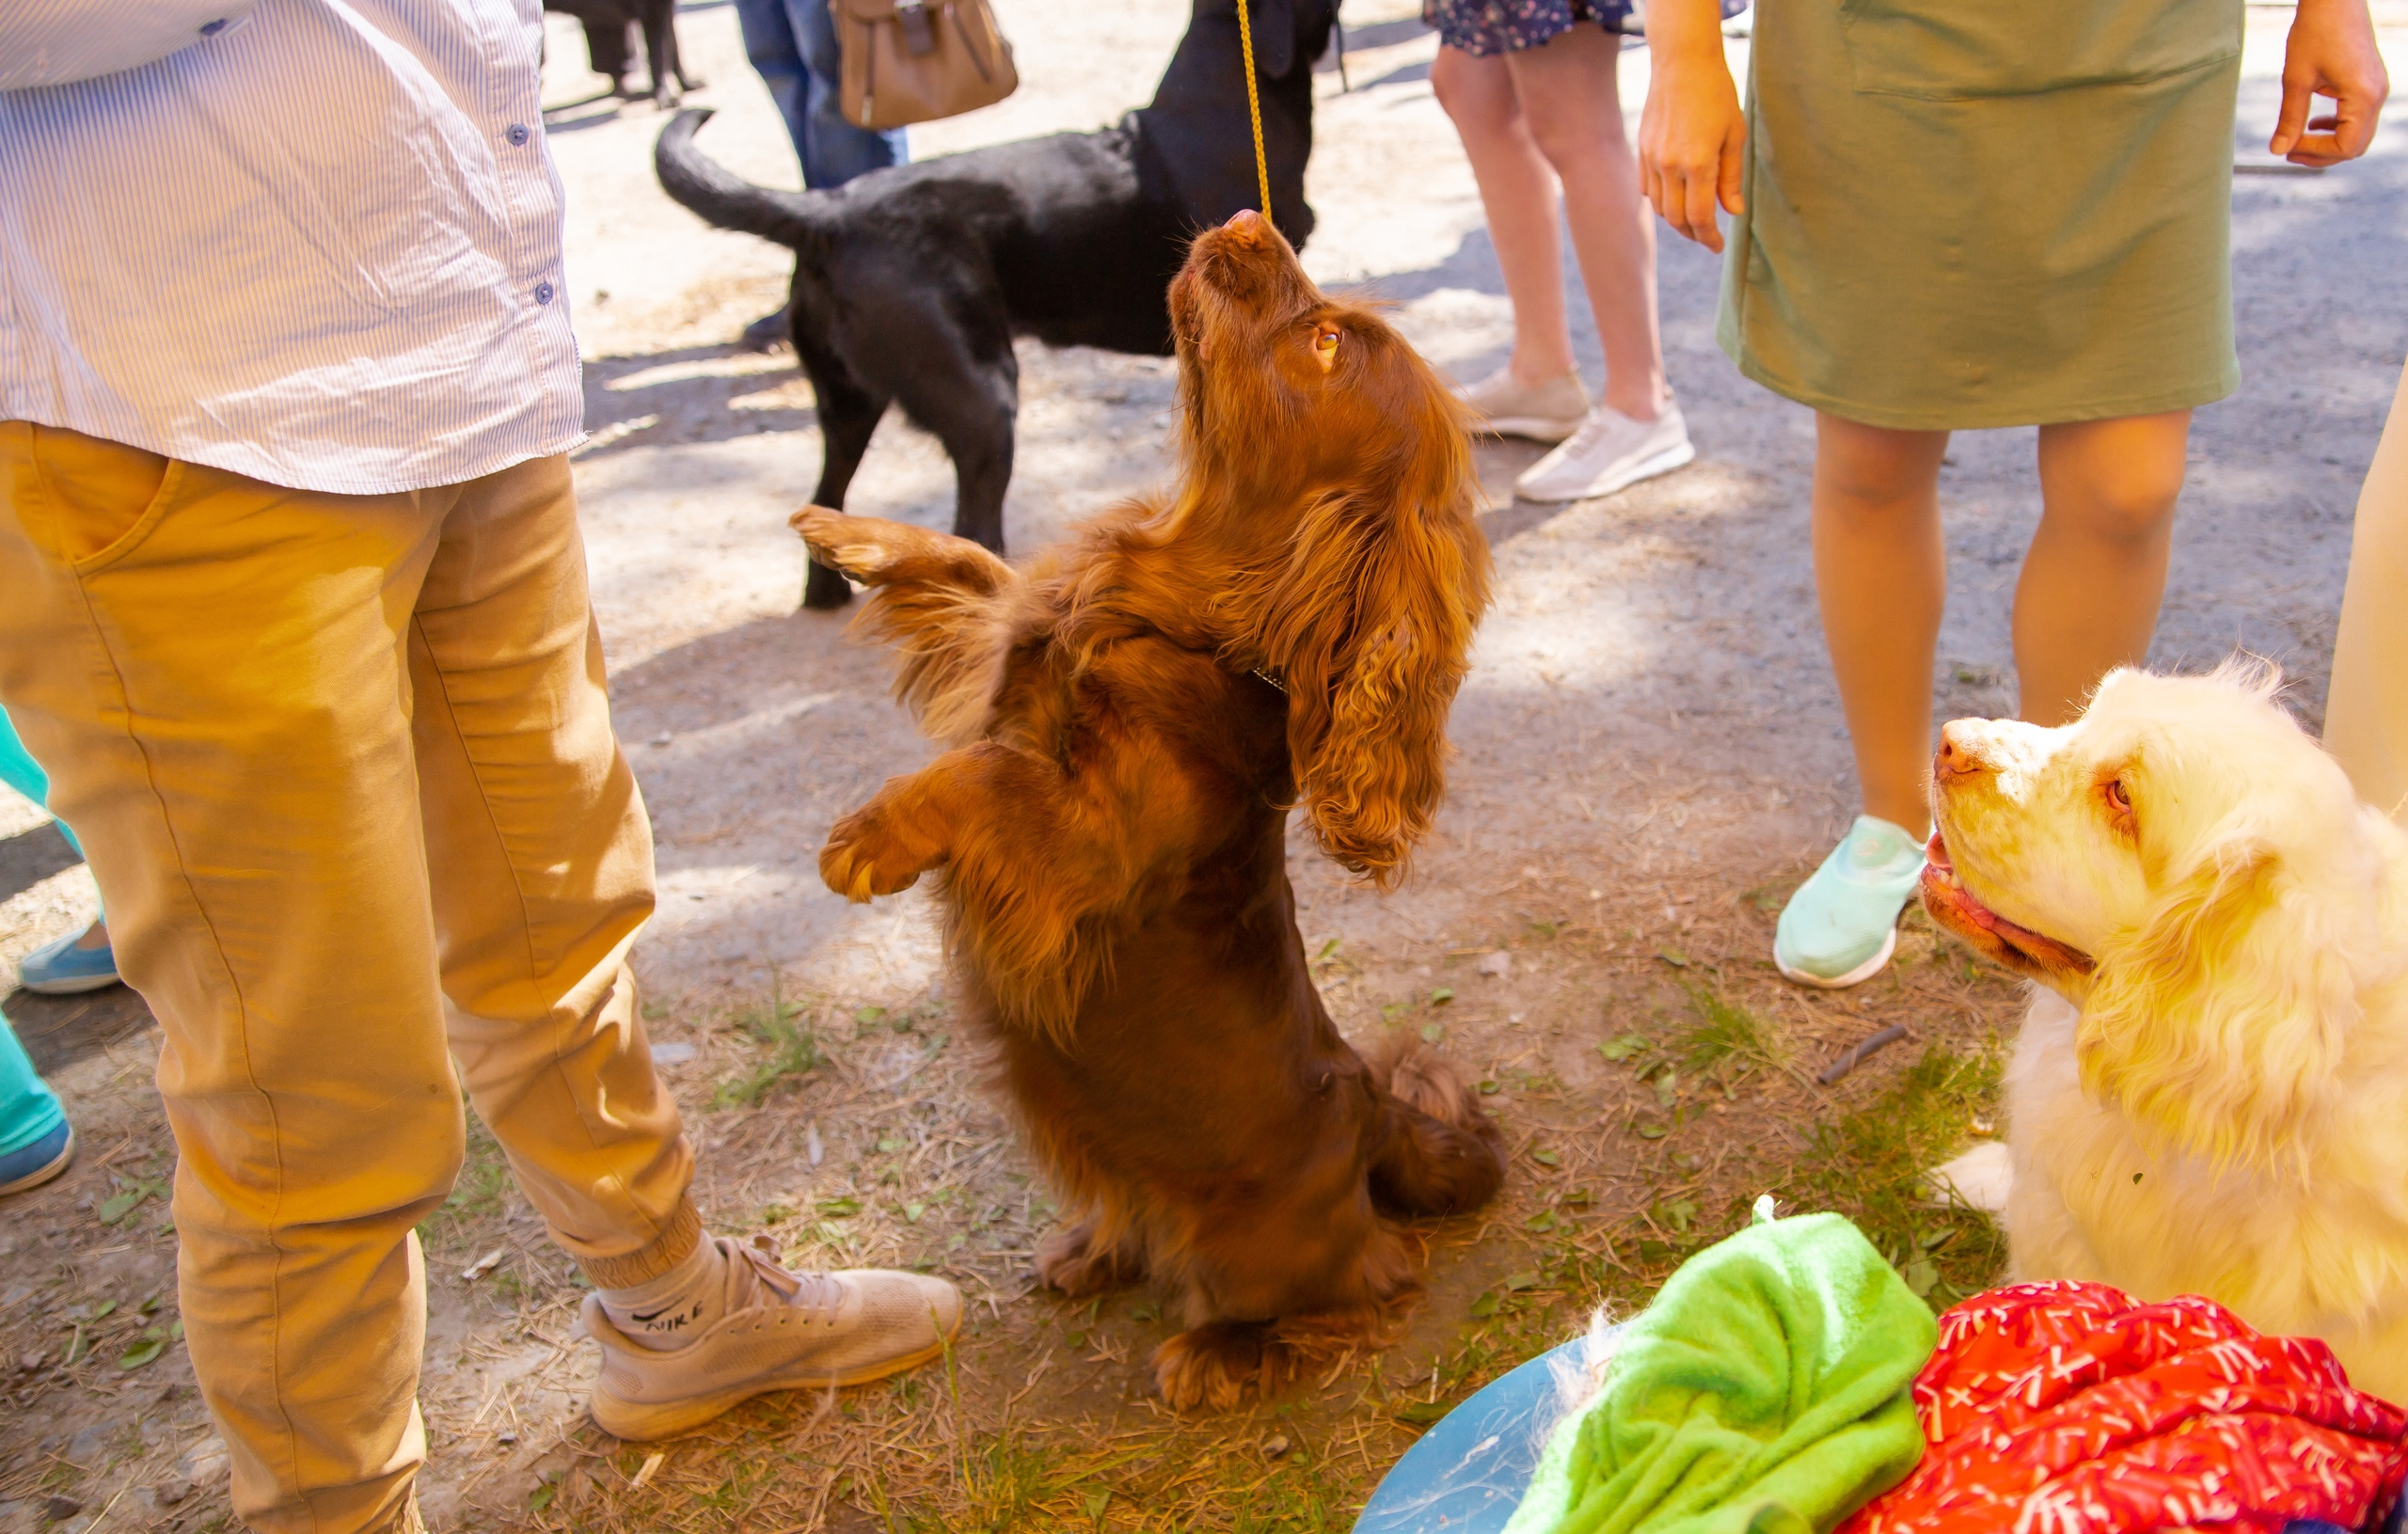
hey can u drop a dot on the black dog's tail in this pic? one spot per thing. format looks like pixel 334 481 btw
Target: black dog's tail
pixel 696 182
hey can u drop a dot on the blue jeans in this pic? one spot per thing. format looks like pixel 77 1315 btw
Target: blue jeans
pixel 793 45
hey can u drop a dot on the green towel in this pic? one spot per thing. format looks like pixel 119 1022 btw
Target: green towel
pixel 1765 1391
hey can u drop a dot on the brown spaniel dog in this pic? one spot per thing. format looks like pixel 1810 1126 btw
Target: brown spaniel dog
pixel 1131 718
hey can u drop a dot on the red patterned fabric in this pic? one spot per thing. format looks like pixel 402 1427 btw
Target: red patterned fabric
pixel 2074 1409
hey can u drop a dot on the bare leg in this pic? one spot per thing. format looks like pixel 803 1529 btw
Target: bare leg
pixel 2088 596
pixel 1881 576
pixel 1517 191
pixel 1568 90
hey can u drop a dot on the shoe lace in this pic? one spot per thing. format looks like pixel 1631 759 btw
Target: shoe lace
pixel 814 1293
pixel 1599 424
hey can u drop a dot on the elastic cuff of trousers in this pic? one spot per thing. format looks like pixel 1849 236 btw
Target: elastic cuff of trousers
pixel 668 1249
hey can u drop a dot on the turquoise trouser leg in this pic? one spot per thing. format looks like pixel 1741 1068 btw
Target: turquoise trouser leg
pixel 28 1110
pixel 20 771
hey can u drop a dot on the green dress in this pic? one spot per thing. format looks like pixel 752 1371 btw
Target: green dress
pixel 1987 212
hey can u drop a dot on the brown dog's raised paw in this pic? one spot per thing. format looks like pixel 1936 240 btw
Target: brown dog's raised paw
pixel 850 544
pixel 866 855
pixel 877 553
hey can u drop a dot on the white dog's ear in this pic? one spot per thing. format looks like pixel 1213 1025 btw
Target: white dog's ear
pixel 2220 1022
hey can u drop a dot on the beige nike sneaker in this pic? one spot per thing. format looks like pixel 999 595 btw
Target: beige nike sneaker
pixel 781 1331
pixel 1547 412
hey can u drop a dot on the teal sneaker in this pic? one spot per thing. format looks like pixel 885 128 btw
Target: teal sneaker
pixel 1842 925
pixel 65 968
pixel 30 1167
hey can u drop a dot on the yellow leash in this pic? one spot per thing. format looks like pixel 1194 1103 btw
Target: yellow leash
pixel 1254 107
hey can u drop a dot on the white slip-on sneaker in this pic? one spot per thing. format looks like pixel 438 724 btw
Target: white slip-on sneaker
pixel 780 1331
pixel 1547 412
pixel 1608 452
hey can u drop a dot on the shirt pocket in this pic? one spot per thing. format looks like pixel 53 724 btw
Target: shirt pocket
pixel 1960 50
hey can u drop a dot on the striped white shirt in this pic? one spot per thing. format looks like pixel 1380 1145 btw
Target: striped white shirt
pixel 320 246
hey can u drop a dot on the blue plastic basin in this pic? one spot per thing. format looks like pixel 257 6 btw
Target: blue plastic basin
pixel 1469 1472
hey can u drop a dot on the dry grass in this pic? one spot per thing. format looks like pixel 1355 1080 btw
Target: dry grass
pixel 1660 1079
pixel 1652 1073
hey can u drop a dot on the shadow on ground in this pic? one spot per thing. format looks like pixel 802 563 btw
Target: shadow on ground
pixel 30 856
pixel 57 1030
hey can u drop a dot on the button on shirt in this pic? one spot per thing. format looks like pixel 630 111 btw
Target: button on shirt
pixel 321 248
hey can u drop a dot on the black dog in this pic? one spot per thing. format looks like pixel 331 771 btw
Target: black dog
pixel 605 44
pixel 910 283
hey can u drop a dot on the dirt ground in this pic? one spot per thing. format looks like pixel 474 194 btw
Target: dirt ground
pixel 1651 755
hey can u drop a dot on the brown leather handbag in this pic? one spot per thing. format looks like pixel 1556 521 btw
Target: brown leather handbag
pixel 917 61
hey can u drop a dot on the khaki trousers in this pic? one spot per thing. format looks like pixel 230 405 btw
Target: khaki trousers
pixel 344 769
pixel 2365 712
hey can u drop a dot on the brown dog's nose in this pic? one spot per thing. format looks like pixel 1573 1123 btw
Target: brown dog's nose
pixel 1957 757
pixel 1247 226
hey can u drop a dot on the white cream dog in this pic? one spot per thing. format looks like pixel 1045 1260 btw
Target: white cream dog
pixel 2210 1094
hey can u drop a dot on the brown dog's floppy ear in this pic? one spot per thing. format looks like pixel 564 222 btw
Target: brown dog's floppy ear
pixel 1370 625
pixel 2219 1024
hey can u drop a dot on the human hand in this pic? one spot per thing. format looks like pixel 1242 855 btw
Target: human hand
pixel 1691 131
pixel 2330 52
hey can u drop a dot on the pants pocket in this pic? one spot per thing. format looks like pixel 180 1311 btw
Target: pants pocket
pixel 104 497
pixel 1957 50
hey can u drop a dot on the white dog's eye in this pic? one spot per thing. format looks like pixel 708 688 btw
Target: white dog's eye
pixel 2119 799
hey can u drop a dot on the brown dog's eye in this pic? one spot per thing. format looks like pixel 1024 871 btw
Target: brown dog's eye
pixel 1326 348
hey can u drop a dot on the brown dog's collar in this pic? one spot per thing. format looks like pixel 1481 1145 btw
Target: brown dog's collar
pixel 1276 684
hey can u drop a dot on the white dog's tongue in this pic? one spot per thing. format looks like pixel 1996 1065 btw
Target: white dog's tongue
pixel 1935 851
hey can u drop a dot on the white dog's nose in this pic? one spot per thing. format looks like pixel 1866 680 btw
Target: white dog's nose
pixel 1959 756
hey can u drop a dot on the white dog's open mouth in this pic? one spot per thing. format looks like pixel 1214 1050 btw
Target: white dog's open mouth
pixel 1953 906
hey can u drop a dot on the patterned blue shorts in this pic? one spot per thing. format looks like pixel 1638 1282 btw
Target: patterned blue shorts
pixel 1504 27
